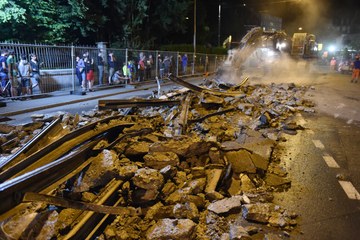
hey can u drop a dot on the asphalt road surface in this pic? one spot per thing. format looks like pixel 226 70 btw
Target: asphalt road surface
pixel 323 160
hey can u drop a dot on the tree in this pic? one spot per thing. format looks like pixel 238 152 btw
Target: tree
pixel 51 20
pixel 122 23
pixel 10 11
pixel 168 18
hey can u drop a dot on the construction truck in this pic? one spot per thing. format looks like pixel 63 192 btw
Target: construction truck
pixel 303 45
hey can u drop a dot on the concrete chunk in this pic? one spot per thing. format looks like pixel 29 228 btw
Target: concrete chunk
pixel 225 205
pixel 159 160
pixel 175 229
pixel 241 161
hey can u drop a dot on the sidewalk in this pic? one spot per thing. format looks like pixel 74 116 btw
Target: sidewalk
pixel 56 99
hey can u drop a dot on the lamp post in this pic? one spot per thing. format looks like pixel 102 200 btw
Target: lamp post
pixel 193 67
pixel 219 23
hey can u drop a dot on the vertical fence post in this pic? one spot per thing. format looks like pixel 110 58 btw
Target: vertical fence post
pixel 206 63
pixel 193 65
pixel 72 68
pixel 215 63
pixel 126 64
pixel 157 64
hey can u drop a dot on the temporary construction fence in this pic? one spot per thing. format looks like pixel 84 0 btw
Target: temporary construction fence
pixel 58 63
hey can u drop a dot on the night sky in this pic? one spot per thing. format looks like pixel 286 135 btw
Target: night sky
pixel 315 16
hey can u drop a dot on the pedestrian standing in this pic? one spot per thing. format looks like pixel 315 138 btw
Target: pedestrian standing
pixel 149 64
pixel 24 72
pixel 141 68
pixel 100 65
pixel 4 71
pixel 333 64
pixel 184 62
pixel 356 70
pixel 12 73
pixel 35 72
pixel 112 65
pixel 89 71
pixel 161 68
pixel 132 71
pixel 80 69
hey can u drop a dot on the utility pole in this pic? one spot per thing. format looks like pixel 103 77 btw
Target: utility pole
pixel 194 55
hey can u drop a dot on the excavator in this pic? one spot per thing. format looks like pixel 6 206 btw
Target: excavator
pixel 265 45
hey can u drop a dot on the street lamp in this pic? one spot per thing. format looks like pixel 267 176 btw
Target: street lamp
pixel 219 24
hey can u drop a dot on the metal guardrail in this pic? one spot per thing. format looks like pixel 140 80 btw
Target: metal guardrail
pixel 58 68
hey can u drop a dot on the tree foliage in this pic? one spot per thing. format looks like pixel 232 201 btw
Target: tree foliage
pixel 121 23
pixel 10 11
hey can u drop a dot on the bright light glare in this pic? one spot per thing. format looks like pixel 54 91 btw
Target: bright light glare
pixel 332 48
pixel 270 53
pixel 280 46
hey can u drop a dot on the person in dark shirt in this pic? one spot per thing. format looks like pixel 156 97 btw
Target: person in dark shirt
pixel 112 64
pixel 356 70
pixel 89 71
pixel 4 70
pixel 35 71
pixel 80 69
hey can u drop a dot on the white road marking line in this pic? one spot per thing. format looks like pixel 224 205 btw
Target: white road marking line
pixel 341 105
pixel 318 144
pixel 350 190
pixel 330 161
pixel 336 115
pixel 349 121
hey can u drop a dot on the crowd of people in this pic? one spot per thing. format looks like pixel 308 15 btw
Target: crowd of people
pixel 134 70
pixel 19 77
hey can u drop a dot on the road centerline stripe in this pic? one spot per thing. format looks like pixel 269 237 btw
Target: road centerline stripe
pixel 318 144
pixel 330 161
pixel 350 190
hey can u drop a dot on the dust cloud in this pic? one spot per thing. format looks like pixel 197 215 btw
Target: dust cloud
pixel 314 14
pixel 264 66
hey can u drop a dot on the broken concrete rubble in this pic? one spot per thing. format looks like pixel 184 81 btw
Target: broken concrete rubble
pixel 159 160
pixel 176 229
pixel 183 182
pixel 184 146
pixel 103 168
pixel 268 213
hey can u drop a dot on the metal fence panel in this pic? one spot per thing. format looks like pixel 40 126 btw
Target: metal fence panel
pixel 58 64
